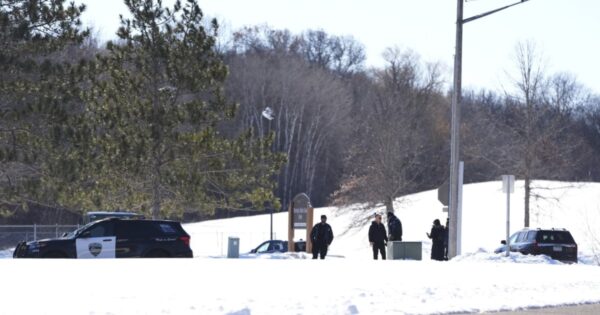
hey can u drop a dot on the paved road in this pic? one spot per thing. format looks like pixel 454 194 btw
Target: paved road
pixel 589 309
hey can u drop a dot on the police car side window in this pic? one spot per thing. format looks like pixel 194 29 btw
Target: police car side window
pixel 99 230
pixel 135 229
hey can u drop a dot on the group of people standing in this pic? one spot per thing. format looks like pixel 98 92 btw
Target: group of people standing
pixel 378 236
pixel 322 236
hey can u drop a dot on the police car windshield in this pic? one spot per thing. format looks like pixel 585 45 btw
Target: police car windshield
pixel 78 231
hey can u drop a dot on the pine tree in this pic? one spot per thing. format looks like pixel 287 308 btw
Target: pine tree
pixel 159 115
pixel 38 93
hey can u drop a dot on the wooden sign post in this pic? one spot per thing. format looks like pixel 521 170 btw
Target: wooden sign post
pixel 309 226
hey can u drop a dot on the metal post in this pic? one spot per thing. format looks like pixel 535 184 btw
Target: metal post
pixel 455 135
pixel 34 232
pixel 508 222
pixel 461 172
pixel 291 247
pixel 268 114
pixel 271 209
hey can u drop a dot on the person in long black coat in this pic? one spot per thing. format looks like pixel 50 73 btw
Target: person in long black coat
pixel 437 239
pixel 446 239
pixel 321 237
pixel 394 227
pixel 378 237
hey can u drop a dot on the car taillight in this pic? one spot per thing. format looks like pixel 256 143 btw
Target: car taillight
pixel 185 240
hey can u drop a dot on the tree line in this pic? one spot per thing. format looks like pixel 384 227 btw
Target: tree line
pixel 167 118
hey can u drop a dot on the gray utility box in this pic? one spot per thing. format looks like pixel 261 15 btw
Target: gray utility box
pixel 233 247
pixel 405 250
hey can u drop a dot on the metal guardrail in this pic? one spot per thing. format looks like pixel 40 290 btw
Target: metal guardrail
pixel 10 235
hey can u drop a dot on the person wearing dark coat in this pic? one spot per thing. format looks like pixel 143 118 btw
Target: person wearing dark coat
pixel 437 238
pixel 446 238
pixel 321 237
pixel 394 227
pixel 378 237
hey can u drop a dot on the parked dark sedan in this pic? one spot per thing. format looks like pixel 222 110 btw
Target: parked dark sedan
pixel 277 246
pixel 113 238
pixel 555 243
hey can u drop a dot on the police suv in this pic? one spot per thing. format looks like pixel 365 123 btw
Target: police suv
pixel 113 238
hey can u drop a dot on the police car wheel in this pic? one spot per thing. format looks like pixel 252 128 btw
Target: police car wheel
pixel 157 253
pixel 55 255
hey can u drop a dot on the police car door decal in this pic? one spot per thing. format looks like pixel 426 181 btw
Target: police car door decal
pixel 96 247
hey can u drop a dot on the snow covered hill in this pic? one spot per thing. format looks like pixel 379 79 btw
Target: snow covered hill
pixel 574 206
pixel 292 284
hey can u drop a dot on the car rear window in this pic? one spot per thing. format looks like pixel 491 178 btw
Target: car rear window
pixel 562 237
pixel 167 228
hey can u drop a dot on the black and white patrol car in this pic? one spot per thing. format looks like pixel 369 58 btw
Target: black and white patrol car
pixel 113 238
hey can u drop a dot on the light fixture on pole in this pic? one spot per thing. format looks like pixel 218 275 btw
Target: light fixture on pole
pixel 268 113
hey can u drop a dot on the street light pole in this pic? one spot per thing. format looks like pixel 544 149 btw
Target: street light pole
pixel 455 135
pixel 270 205
pixel 453 212
pixel 269 115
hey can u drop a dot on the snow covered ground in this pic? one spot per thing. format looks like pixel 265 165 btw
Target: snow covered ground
pixel 297 286
pixel 347 283
pixel 574 206
pixel 6 253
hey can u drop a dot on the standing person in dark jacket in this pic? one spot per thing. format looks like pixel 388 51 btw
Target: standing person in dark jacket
pixel 437 238
pixel 394 227
pixel 446 238
pixel 321 237
pixel 378 237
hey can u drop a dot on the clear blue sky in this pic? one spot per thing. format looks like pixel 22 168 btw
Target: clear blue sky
pixel 567 32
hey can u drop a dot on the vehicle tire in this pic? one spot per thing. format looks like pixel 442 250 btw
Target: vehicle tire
pixel 54 255
pixel 157 253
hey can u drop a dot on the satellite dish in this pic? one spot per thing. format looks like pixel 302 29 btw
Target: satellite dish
pixel 268 113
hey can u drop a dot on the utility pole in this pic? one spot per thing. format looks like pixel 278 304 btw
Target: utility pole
pixel 453 211
pixel 455 135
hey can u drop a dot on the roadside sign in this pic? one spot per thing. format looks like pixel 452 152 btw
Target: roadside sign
pixel 508 184
pixel 508 187
pixel 300 206
pixel 300 218
pixel 444 193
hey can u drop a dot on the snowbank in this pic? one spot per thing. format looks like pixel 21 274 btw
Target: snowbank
pixel 6 253
pixel 484 256
pixel 273 256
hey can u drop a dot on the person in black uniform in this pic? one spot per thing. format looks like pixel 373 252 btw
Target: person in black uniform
pixel 394 227
pixel 321 237
pixel 378 237
pixel 437 240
